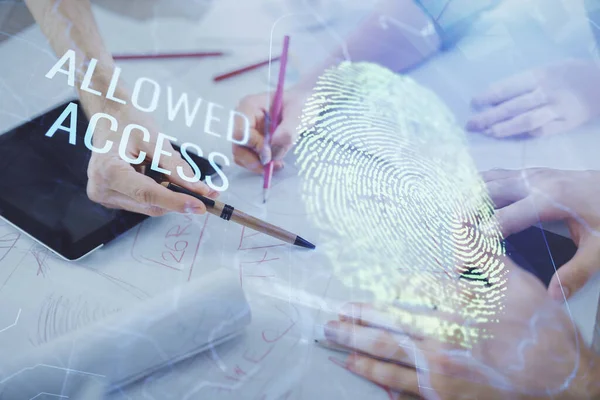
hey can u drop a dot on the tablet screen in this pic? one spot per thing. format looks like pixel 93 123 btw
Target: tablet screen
pixel 43 188
pixel 46 178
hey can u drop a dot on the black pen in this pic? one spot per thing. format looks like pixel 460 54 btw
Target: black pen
pixel 228 213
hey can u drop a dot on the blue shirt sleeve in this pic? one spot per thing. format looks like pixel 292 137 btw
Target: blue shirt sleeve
pixel 592 8
pixel 453 18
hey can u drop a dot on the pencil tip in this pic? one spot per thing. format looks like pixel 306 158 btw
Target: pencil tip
pixel 303 243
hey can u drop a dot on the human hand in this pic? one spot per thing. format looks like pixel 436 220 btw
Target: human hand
pixel 115 183
pixel 527 349
pixel 255 154
pixel 539 102
pixel 526 197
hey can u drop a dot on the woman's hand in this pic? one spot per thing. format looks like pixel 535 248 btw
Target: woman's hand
pixel 115 183
pixel 526 197
pixel 527 347
pixel 256 153
pixel 539 102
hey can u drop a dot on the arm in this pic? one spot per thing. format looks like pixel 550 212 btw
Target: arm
pixel 389 36
pixel 70 24
pixel 113 182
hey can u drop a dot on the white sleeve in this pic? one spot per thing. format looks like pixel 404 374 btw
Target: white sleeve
pixel 453 18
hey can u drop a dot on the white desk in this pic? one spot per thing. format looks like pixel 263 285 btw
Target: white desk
pixel 276 354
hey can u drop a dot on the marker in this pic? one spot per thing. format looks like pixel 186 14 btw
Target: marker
pixel 228 213
pixel 275 116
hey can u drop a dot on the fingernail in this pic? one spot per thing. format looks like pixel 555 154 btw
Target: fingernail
pixel 264 159
pixel 331 330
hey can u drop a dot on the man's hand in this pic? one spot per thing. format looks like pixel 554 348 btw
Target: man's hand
pixel 256 153
pixel 115 183
pixel 524 198
pixel 539 102
pixel 526 349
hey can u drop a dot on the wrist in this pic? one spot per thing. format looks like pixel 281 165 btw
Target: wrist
pixel 96 95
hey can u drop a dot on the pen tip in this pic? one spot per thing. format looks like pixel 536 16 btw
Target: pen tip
pixel 303 243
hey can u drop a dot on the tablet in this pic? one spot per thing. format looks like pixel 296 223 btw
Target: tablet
pixel 43 189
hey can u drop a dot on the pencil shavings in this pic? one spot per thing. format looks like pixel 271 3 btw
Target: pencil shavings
pixel 387 175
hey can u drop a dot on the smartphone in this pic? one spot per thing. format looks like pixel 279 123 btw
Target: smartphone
pixel 537 251
pixel 540 251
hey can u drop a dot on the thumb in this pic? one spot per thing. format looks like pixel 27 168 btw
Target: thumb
pixel 176 165
pixel 574 274
pixel 525 213
pixel 517 216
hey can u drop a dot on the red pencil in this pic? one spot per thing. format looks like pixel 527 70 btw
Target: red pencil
pixel 244 69
pixel 275 115
pixel 167 55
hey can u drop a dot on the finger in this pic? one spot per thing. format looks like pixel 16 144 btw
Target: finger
pixel 498 173
pixel 283 138
pixel 248 159
pixel 254 108
pixel 391 318
pixel 117 200
pixel 505 90
pixel 372 341
pixel 522 124
pixel 507 191
pixel 390 375
pixel 517 217
pixel 171 163
pixel 146 191
pixel 507 110
pixel 527 212
pixel 551 128
pixel 572 276
pixel 255 146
